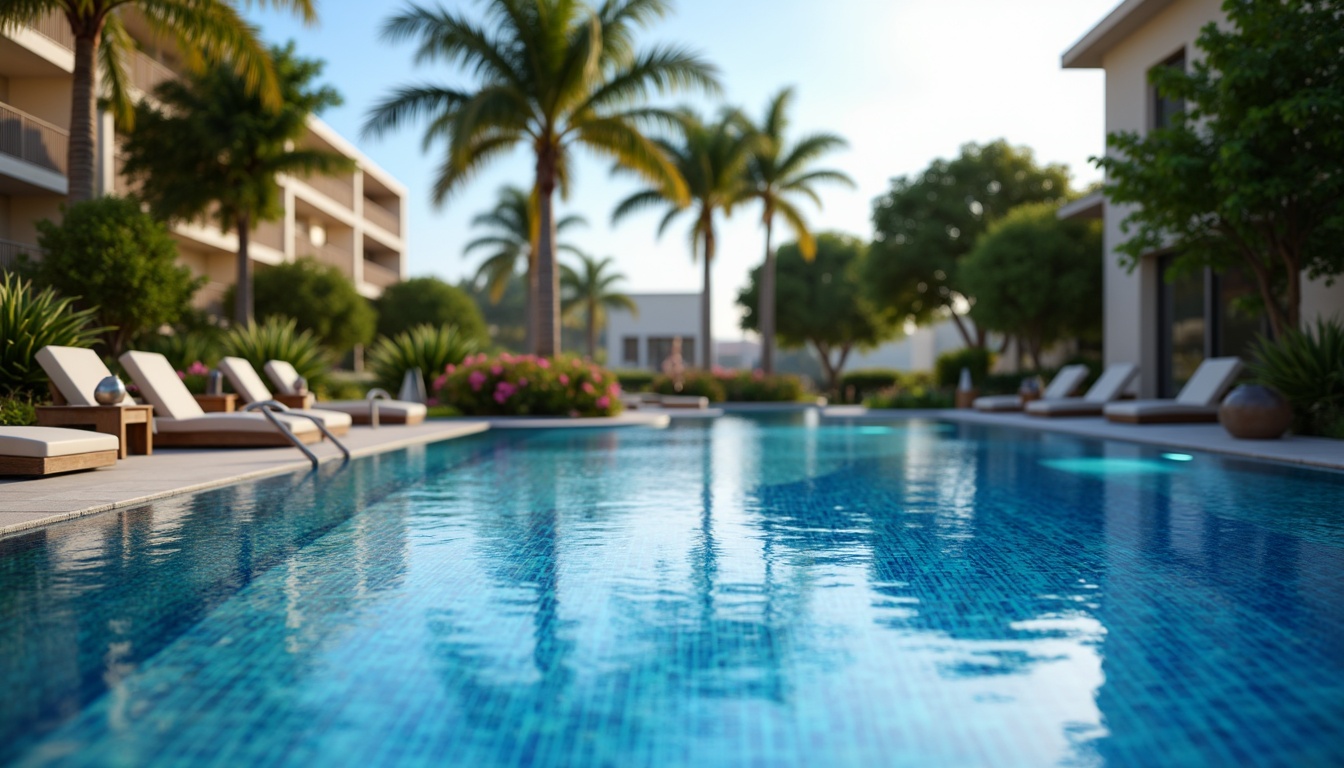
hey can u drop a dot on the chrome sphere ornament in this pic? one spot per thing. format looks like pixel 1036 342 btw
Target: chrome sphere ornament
pixel 109 391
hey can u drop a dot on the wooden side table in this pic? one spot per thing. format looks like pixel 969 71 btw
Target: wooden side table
pixel 133 425
pixel 217 403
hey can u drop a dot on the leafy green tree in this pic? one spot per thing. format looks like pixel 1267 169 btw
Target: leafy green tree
pixel 1037 278
pixel 712 159
pixel 319 298
pixel 551 75
pixel 590 290
pixel 119 261
pixel 212 30
pixel 825 302
pixel 777 174
pixel 1252 173
pixel 926 224
pixel 215 146
pixel 429 301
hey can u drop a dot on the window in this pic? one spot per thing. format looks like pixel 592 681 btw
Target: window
pixel 1202 315
pixel 1164 108
pixel 660 347
pixel 630 350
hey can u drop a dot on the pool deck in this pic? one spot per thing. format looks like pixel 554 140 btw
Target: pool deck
pixel 31 503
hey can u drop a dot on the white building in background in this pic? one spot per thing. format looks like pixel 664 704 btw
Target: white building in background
pixel 644 339
pixel 1165 328
pixel 355 221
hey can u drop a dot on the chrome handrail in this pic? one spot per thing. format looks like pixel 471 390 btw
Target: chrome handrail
pixel 269 408
pixel 375 394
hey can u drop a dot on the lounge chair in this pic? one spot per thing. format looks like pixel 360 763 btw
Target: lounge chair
pixel 1109 387
pixel 1196 402
pixel 74 374
pixel 249 386
pixel 51 450
pixel 179 420
pixel 286 380
pixel 1065 382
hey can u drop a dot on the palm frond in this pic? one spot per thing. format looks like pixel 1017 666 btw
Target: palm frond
pixel 410 103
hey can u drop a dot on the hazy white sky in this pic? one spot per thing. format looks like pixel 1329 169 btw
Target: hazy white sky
pixel 904 81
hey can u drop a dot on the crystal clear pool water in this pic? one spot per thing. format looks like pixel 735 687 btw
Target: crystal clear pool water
pixel 743 592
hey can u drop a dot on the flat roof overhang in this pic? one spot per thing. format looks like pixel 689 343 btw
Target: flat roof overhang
pixel 1119 24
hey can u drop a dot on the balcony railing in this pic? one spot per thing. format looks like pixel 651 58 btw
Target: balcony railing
pixel 56 28
pixel 381 216
pixel 147 73
pixel 328 253
pixel 379 275
pixel 32 139
pixel 11 252
pixel 341 189
pixel 269 233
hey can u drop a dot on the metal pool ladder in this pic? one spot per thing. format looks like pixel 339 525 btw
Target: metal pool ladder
pixel 269 408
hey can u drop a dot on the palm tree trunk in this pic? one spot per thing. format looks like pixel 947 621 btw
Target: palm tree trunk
pixel 242 292
pixel 546 342
pixel 80 151
pixel 706 328
pixel 767 303
pixel 592 330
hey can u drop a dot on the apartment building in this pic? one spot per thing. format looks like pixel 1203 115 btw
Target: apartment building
pixel 1166 328
pixel 355 221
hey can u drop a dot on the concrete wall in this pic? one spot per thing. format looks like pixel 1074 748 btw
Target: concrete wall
pixel 660 315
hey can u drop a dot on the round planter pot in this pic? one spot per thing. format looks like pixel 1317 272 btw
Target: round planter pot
pixel 1255 412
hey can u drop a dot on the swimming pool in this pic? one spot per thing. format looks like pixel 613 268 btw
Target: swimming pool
pixel 746 591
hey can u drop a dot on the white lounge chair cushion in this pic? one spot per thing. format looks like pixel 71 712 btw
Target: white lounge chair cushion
pixel 330 419
pixel 1065 382
pixel 395 408
pixel 233 422
pixel 1137 409
pixel 283 376
pixel 1071 405
pixel 244 379
pixel 1112 383
pixel 75 372
pixel 998 403
pixel 1210 381
pixel 46 442
pixel 160 385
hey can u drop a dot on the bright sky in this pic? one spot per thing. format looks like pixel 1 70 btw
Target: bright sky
pixel 904 81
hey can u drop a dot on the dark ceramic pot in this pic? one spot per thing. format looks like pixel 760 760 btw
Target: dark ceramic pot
pixel 1255 412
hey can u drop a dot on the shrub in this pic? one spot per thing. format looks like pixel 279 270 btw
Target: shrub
pixel 114 257
pixel 947 369
pixel 429 301
pixel 695 383
pixel 526 385
pixel 758 387
pixel 278 338
pixel 30 320
pixel 918 396
pixel 634 380
pixel 17 410
pixel 1308 368
pixel 318 297
pixel 427 347
pixel 183 349
pixel 856 385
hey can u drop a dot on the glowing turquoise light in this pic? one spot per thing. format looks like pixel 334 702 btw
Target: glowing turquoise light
pixel 1178 457
pixel 875 430
pixel 1110 467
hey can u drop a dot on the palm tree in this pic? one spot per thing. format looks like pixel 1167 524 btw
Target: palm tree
pixel 216 143
pixel 513 232
pixel 777 172
pixel 207 31
pixel 590 290
pixel 712 159
pixel 553 75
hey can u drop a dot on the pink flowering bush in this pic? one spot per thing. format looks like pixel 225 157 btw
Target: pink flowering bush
pixel 527 385
pixel 195 377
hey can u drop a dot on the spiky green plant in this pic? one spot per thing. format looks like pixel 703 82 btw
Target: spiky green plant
pixel 278 338
pixel 30 320
pixel 427 347
pixel 183 349
pixel 1307 367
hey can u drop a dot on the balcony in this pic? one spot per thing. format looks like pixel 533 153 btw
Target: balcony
pixel 270 234
pixel 331 254
pixel 146 73
pixel 340 189
pixel 56 28
pixel 32 139
pixel 382 217
pixel 379 275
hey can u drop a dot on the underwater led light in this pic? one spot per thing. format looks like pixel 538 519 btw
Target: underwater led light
pixel 1178 457
pixel 1104 467
pixel 875 430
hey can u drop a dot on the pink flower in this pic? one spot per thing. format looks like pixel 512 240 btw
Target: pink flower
pixel 197 369
pixel 597 377
pixel 543 363
pixel 497 369
pixel 476 379
pixel 439 382
pixel 603 402
pixel 503 391
pixel 506 357
pixel 181 375
pixel 614 390
pixel 564 379
pixel 522 382
pixel 758 375
pixel 450 369
pixel 588 387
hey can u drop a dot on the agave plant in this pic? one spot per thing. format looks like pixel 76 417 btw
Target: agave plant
pixel 426 347
pixel 279 339
pixel 1308 368
pixel 184 348
pixel 29 321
